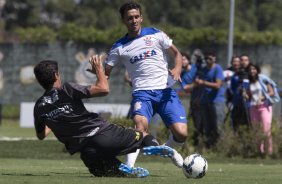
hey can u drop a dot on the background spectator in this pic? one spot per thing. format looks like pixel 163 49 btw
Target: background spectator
pixel 235 66
pixel 260 95
pixel 213 99
pixel 238 85
pixel 188 77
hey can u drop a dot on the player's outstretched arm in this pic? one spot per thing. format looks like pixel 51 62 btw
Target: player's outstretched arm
pixel 101 87
pixel 175 72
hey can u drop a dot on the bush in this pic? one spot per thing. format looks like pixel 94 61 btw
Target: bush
pixel 36 35
pixel 122 122
pixel 242 144
pixel 73 32
pixel 277 142
pixel 10 111
pixel 182 37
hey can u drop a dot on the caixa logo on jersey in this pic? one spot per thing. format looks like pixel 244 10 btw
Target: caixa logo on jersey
pixel 142 56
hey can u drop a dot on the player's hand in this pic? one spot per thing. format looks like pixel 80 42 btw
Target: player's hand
pixel 96 62
pixel 175 73
pixel 199 82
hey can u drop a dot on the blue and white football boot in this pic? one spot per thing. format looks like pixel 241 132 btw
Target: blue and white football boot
pixel 165 151
pixel 138 172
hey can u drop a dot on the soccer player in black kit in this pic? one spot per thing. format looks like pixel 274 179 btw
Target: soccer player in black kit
pixel 61 110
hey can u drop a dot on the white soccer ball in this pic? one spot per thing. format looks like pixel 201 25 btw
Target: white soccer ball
pixel 195 166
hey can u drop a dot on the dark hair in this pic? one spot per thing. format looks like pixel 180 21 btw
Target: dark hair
pixel 257 67
pixel 185 54
pixel 242 55
pixel 209 53
pixel 45 72
pixel 233 57
pixel 129 6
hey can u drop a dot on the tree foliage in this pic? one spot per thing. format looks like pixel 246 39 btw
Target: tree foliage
pixel 186 20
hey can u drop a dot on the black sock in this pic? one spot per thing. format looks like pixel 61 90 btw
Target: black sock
pixel 150 140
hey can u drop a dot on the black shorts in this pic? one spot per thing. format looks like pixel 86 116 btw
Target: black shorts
pixel 116 140
pixel 99 154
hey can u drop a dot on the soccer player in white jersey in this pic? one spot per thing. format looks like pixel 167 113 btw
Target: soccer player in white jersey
pixel 143 52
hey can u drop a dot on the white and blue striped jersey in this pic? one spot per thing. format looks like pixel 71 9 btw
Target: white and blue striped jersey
pixel 144 58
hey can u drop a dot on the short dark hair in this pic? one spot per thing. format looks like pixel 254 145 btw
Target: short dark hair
pixel 210 53
pixel 244 54
pixel 45 72
pixel 129 6
pixel 233 58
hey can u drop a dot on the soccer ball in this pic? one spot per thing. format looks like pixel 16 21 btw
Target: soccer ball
pixel 195 166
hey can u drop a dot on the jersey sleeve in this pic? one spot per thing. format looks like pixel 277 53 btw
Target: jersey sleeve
pixel 219 73
pixel 188 77
pixel 113 57
pixel 77 91
pixel 164 40
pixel 38 123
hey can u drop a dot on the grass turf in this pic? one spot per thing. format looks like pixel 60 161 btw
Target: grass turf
pixel 33 161
pixel 73 171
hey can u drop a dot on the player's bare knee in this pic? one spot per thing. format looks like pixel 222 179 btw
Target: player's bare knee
pixel 179 132
pixel 141 129
pixel 141 123
pixel 184 133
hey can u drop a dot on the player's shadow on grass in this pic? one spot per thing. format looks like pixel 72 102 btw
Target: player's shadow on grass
pixel 157 176
pixel 81 175
pixel 23 174
pixel 51 174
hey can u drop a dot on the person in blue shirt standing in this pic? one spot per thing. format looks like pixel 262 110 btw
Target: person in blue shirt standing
pixel 213 99
pixel 188 76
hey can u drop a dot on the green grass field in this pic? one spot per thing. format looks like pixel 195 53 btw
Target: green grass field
pixel 72 171
pixel 33 161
